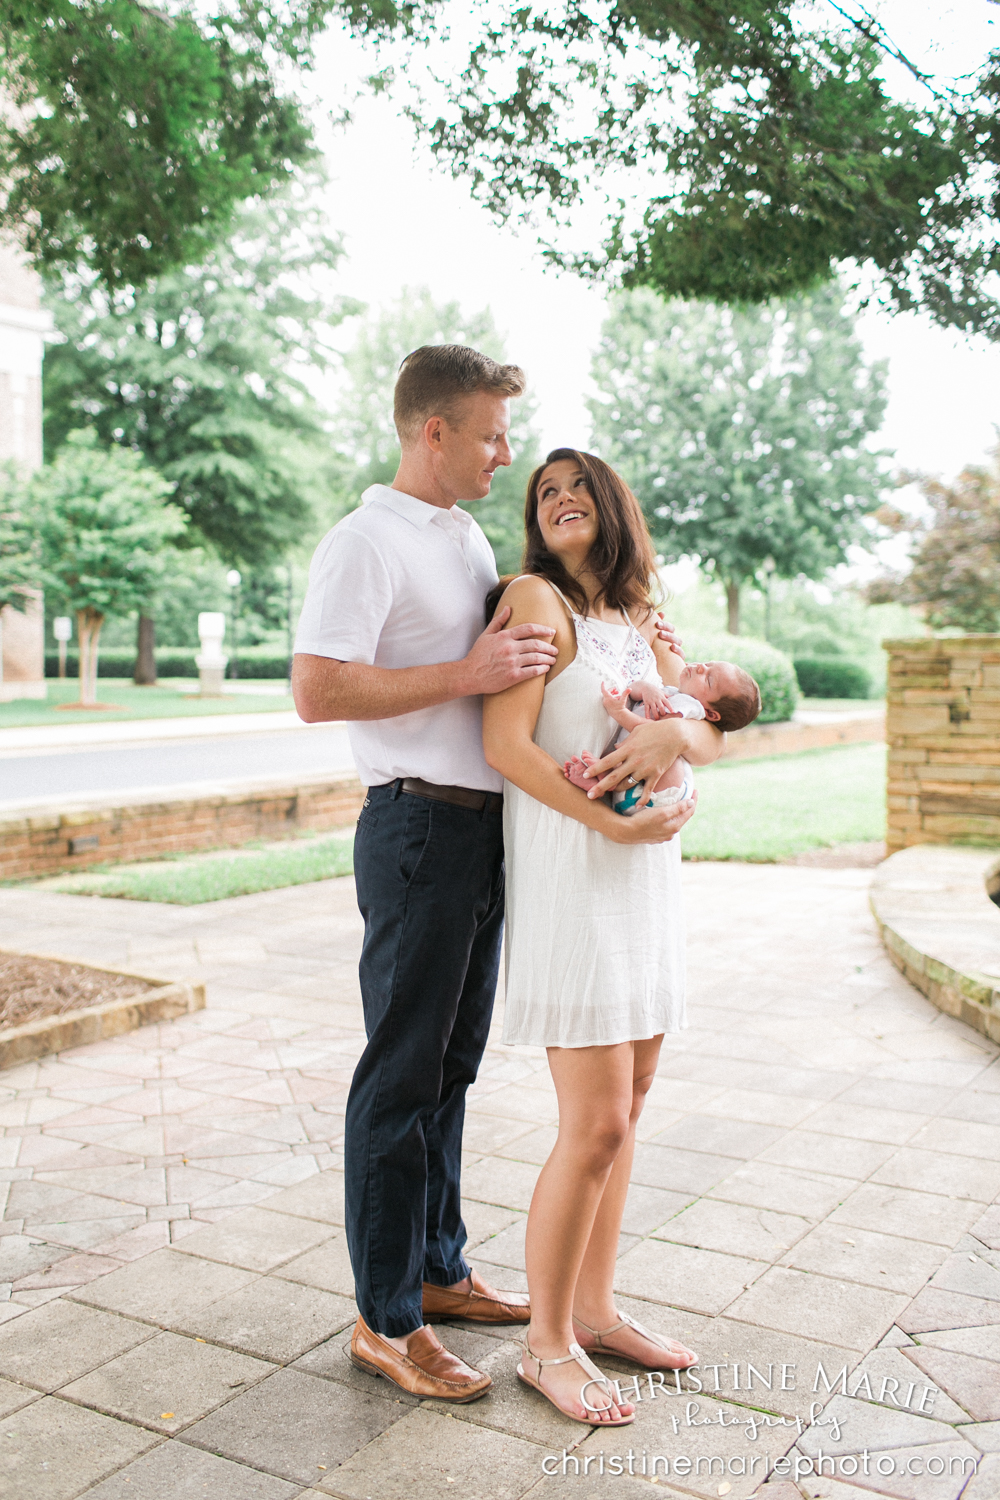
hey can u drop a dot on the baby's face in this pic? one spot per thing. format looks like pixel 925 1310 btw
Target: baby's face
pixel 708 680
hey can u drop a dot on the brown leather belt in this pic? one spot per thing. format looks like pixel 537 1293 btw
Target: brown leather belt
pixel 459 796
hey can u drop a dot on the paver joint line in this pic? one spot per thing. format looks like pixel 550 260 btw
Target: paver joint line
pixel 179 1189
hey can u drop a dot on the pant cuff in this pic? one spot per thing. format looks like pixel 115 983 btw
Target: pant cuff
pixel 435 1276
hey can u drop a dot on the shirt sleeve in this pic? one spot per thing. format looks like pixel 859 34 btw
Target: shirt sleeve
pixel 684 703
pixel 348 599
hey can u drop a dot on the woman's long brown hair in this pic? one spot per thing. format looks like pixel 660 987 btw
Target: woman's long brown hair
pixel 622 559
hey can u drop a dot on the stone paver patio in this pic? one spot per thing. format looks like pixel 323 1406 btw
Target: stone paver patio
pixel 819 1158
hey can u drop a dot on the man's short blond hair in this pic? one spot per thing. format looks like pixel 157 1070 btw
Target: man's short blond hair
pixel 433 380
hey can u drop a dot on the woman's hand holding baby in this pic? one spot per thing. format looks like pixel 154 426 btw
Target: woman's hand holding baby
pixel 655 825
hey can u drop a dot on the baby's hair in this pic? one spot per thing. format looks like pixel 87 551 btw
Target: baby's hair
pixel 495 593
pixel 737 710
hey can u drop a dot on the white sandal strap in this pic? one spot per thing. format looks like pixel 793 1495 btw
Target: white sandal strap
pixel 626 1322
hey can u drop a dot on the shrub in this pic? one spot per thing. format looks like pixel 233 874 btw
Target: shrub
pixel 173 661
pixel 771 668
pixel 832 677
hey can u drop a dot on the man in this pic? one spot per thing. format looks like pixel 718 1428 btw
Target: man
pixel 390 639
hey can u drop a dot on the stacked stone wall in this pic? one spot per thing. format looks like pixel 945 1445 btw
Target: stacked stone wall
pixel 943 733
pixel 95 830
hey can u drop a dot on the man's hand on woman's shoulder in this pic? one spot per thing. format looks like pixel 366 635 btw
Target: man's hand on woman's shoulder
pixel 502 657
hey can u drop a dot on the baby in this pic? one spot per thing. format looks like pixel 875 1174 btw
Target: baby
pixel 715 690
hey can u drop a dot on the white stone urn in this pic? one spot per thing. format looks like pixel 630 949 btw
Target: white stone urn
pixel 211 660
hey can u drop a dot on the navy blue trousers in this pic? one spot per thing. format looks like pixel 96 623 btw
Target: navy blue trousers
pixel 430 888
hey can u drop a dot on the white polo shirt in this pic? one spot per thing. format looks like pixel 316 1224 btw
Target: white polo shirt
pixel 400 583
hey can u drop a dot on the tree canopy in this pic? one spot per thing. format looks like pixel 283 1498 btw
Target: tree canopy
pixel 131 133
pixel 759 145
pixel 955 572
pixel 102 522
pixel 742 431
pixel 204 371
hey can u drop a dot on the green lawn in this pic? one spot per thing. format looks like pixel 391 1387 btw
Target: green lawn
pixel 767 810
pixel 191 879
pixel 757 810
pixel 131 702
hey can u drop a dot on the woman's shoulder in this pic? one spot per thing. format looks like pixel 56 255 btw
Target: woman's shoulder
pixel 531 591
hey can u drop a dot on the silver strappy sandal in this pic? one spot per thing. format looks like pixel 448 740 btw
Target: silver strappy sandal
pixel 666 1346
pixel 594 1377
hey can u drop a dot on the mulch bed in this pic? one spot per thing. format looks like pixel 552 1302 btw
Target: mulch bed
pixel 32 988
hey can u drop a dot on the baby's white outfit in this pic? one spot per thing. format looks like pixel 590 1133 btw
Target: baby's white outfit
pixel 624 799
pixel 683 703
pixel 595 929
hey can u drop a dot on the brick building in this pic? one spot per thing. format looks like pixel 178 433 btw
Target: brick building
pixel 23 325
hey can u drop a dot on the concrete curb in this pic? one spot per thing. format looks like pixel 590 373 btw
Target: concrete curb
pixel 95 1023
pixel 941 930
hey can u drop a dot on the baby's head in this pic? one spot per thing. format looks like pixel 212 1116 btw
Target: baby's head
pixel 730 697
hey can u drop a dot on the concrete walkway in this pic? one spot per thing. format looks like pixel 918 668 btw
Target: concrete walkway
pixel 820 1155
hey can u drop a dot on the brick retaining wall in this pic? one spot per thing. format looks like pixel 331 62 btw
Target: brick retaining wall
pixel 943 731
pixel 92 830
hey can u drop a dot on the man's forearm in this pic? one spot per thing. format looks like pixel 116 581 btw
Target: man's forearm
pixel 326 690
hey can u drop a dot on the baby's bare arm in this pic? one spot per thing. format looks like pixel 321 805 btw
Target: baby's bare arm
pixel 656 700
pixel 616 705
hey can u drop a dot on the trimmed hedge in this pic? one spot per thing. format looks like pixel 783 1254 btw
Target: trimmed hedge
pixel 171 662
pixel 772 669
pixel 832 677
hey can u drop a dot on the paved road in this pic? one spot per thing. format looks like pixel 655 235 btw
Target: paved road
pixel 74 773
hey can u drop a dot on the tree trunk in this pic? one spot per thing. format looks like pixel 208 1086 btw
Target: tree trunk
pixel 145 653
pixel 733 607
pixel 88 629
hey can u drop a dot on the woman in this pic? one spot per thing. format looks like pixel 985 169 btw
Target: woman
pixel 595 960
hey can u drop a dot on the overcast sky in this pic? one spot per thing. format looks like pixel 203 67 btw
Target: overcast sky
pixel 406 223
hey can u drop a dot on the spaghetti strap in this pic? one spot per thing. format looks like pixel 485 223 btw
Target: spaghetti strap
pixel 570 610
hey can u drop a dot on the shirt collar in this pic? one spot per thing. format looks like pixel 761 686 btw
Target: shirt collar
pixel 417 512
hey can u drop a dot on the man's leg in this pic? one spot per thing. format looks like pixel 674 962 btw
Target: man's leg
pixel 427 876
pixel 445 1264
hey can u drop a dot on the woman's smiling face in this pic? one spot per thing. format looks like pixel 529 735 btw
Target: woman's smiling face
pixel 567 512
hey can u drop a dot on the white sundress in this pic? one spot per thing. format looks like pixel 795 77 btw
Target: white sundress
pixel 595 930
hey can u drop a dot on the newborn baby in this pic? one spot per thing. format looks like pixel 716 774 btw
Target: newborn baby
pixel 715 690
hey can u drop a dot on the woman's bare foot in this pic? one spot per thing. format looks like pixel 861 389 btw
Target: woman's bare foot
pixel 566 1385
pixel 628 1339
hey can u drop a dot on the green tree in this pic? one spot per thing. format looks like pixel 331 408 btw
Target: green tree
pixel 135 131
pixel 743 432
pixel 103 531
pixel 363 426
pixel 771 149
pixel 955 572
pixel 204 372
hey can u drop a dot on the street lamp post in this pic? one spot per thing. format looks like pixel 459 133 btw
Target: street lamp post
pixel 234 578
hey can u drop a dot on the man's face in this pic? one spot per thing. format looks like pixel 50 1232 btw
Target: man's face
pixel 474 446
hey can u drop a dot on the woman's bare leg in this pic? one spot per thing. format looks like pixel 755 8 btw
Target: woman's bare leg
pixel 594 1303
pixel 595 1090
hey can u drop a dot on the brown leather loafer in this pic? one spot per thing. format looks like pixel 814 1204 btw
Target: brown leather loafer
pixel 482 1304
pixel 426 1369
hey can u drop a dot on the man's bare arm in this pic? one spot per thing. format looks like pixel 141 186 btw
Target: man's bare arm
pixel 325 689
